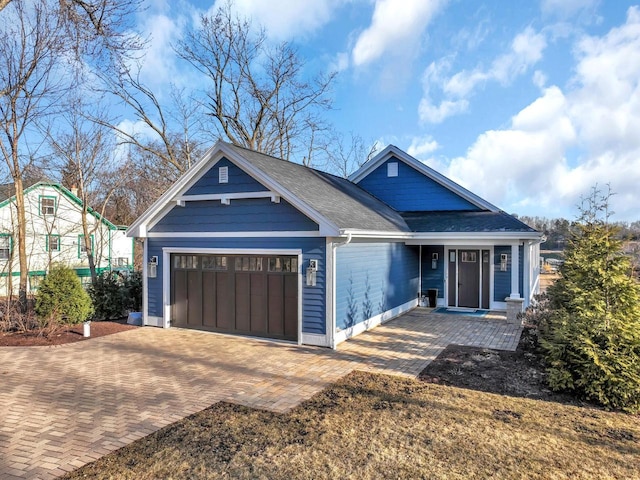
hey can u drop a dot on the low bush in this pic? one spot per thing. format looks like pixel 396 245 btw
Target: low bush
pixel 61 298
pixel 115 293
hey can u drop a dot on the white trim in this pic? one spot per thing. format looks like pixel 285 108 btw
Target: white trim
pixel 329 286
pixel 373 322
pixel 275 234
pixel 154 322
pixel 417 238
pixel 393 151
pixel 233 251
pixel 315 339
pixel 300 286
pixel 515 271
pixel 228 196
pixel 145 283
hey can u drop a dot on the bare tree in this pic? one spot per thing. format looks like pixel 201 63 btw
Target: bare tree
pixel 258 97
pixel 84 150
pixel 171 133
pixel 39 41
pixel 29 51
pixel 344 154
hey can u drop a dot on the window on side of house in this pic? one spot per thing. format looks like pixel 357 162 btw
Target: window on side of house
pixel 5 246
pixel 53 243
pixel 47 206
pixel 82 247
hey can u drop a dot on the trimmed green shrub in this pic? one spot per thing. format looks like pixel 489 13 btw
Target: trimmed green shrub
pixel 590 331
pixel 61 298
pixel 114 294
pixel 107 296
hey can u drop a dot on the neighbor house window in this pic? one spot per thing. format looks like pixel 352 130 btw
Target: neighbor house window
pixel 53 243
pixel 82 247
pixel 5 247
pixel 47 206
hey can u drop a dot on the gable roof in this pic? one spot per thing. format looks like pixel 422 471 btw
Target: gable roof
pixel 7 195
pixel 394 152
pixel 332 202
pixel 339 206
pixel 343 203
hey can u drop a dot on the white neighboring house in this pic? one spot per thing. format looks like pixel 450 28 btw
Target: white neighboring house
pixel 54 235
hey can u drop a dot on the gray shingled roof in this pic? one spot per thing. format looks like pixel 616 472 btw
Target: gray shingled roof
pixel 462 222
pixel 345 204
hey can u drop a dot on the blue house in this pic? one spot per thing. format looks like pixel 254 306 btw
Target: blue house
pixel 249 244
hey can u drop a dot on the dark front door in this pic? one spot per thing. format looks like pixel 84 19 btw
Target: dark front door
pixel 244 294
pixel 469 278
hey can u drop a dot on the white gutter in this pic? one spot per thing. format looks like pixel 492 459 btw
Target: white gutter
pixel 334 247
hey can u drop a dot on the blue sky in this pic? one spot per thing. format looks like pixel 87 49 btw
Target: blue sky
pixel 528 104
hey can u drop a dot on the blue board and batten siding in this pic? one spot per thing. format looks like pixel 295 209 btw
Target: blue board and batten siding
pixel 313 298
pixel 411 190
pixel 372 278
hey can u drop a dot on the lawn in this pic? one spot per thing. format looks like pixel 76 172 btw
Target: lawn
pixel 374 426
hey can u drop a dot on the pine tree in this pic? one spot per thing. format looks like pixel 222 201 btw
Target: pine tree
pixel 592 336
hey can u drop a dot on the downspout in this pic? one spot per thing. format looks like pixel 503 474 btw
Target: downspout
pixel 334 247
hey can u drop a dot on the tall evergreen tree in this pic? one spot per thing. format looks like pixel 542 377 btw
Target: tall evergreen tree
pixel 592 335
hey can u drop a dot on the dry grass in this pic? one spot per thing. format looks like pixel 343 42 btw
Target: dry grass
pixel 373 426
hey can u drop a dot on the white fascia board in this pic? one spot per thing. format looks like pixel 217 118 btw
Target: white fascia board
pixel 227 196
pixel 393 151
pixel 417 238
pixel 256 234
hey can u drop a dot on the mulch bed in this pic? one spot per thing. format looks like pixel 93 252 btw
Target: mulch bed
pixel 70 335
pixel 517 374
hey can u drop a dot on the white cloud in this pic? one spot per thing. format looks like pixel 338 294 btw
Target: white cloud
pixel 394 28
pixel 566 8
pixel 525 51
pixel 285 19
pixel 422 146
pixel 563 143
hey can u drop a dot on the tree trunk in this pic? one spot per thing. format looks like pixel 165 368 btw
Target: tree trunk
pixel 22 243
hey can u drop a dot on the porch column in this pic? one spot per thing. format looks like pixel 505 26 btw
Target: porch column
pixel 515 271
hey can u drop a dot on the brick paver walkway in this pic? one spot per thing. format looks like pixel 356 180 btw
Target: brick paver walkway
pixel 62 407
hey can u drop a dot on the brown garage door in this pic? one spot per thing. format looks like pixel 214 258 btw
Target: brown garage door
pixel 241 294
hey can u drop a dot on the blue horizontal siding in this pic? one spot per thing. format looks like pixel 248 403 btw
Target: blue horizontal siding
pixel 313 298
pixel 239 181
pixel 243 215
pixel 433 278
pixel 372 278
pixel 411 191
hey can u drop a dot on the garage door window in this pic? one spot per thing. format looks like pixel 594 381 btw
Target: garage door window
pixel 249 264
pixel 283 264
pixel 187 262
pixel 214 262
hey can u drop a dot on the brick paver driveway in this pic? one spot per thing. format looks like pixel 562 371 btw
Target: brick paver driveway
pixel 66 406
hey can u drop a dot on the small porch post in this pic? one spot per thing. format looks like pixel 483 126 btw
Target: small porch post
pixel 514 301
pixel 515 271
